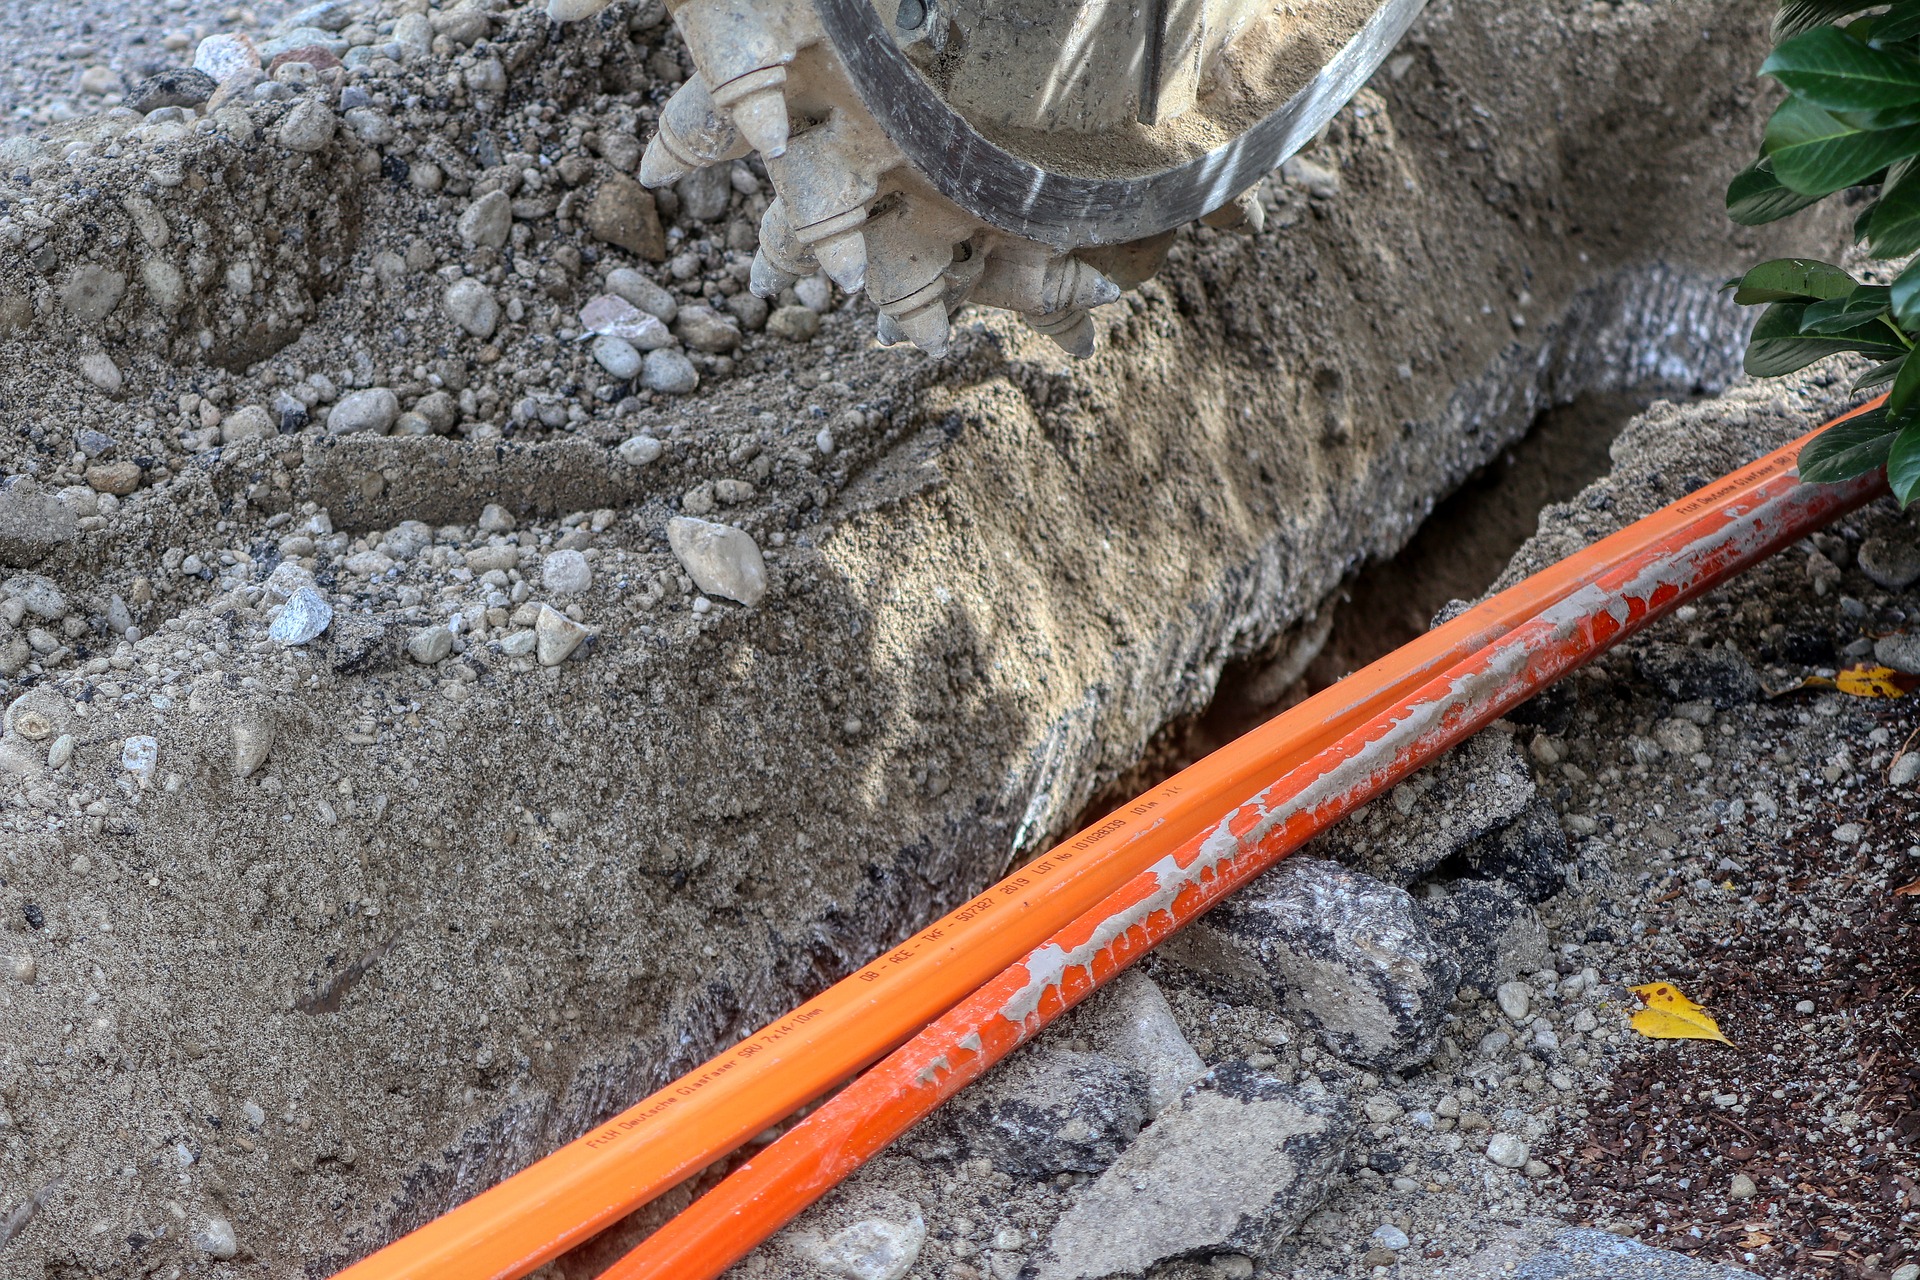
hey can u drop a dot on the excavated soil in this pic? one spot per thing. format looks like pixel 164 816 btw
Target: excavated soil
pixel 312 939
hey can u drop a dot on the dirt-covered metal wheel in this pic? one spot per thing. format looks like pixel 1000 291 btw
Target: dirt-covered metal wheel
pixel 1035 155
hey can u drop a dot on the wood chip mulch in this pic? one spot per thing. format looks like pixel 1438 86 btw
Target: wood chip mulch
pixel 1820 1110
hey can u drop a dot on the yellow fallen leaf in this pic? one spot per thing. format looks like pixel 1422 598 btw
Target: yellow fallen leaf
pixel 1671 1016
pixel 1874 682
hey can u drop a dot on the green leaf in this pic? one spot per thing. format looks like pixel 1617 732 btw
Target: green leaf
pixel 1894 230
pixel 1832 69
pixel 1903 465
pixel 1905 297
pixel 1905 387
pixel 1756 196
pixel 1847 449
pixel 1777 346
pixel 1839 315
pixel 1793 279
pixel 1880 374
pixel 1817 155
pixel 1797 16
pixel 1863 219
pixel 1902 22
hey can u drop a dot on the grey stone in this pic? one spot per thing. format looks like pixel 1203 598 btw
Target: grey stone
pixel 369 412
pixel 638 451
pixel 750 311
pixel 487 221
pixel 669 372
pixel 32 522
pixel 179 87
pixel 308 127
pixel 556 636
pixel 305 615
pixel 1478 787
pixel 430 645
pixel 1900 650
pixel 1489 930
pixel 705 193
pixel 566 573
pixel 1530 853
pixel 91 292
pixel 1339 951
pixel 472 306
pixel 296 38
pixel 643 293
pixel 617 357
pixel 1578 1253
pixel 1234 1167
pixel 1507 1151
pixel 216 1239
pixel 873 1249
pixel 1719 675
pixel 705 329
pixel 1130 1021
pixel 1893 563
pixel 1049 1110
pixel 40 596
pixel 248 422
pixel 721 560
pixel 794 323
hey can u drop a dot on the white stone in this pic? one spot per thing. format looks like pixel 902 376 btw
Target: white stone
pixel 140 756
pixel 1515 998
pixel 615 317
pixel 99 369
pixel 225 55
pixel 815 293
pixel 308 127
pixel 669 372
pixel 248 422
pixel 60 752
pixel 556 636
pixel 519 643
pixel 253 732
pixel 873 1250
pixel 643 293
pixel 216 1239
pixel 304 616
pixel 430 645
pixel 487 221
pixel 722 560
pixel 1507 1151
pixel 472 306
pixel 638 451
pixel 618 357
pixel 1905 769
pixel 1388 1236
pixel 566 573
pixel 370 412
pixel 1742 1188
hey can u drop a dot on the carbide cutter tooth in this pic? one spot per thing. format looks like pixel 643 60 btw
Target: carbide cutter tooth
pixel 692 134
pixel 743 48
pixel 781 258
pixel 909 254
pixel 1072 331
pixel 1024 276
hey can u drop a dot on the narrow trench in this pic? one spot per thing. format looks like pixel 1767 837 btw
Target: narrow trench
pixel 1456 553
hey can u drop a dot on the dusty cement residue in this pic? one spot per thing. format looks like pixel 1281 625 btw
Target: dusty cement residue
pixel 1006 574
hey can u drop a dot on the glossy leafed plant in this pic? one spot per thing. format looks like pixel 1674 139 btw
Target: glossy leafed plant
pixel 1850 122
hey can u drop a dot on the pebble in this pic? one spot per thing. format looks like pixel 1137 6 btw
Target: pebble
pixel 519 644
pixel 139 756
pixel 1905 770
pixel 180 87
pixel 721 560
pixel 60 752
pixel 1900 650
pixel 706 192
pixel 472 306
pixel 1906 1271
pixel 253 734
pixel 98 368
pixel 117 478
pixel 1804 1006
pixel 91 292
pixel 1507 1151
pixel 308 127
pixel 618 357
pixel 794 323
pixel 225 55
pixel 1849 832
pixel 216 1239
pixel 642 292
pixel 638 451
pixel 495 518
pixel 615 317
pixel 304 616
pixel 1680 737
pixel 669 372
pixel 430 645
pixel 1515 998
pixel 249 422
pixel 369 412
pixel 815 293
pixel 1893 563
pixel 36 715
pixel 874 1249
pixel 556 636
pixel 487 221
pixel 566 573
pixel 1232 1266
pixel 1388 1236
pixel 1742 1188
pixel 705 329
pixel 623 213
pixel 24 969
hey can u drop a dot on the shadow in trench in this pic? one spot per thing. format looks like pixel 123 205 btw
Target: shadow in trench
pixel 1454 555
